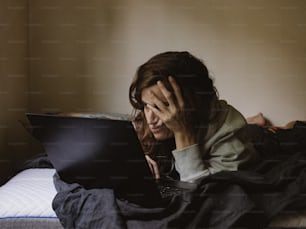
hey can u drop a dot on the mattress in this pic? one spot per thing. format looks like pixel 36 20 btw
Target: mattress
pixel 26 200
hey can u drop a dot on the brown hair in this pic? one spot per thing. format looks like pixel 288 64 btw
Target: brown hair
pixel 197 89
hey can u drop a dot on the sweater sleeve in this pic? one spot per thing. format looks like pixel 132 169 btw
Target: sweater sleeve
pixel 227 147
pixel 189 163
pixel 227 153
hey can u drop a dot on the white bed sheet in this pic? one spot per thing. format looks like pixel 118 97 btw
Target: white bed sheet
pixel 29 194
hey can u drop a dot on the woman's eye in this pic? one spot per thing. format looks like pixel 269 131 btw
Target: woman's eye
pixel 145 107
pixel 156 107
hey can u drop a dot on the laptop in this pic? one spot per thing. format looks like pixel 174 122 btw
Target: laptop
pixel 101 153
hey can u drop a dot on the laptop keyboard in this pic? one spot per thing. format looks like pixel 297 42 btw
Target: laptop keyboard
pixel 168 191
pixel 169 187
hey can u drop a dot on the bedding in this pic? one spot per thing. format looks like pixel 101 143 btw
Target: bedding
pixel 225 200
pixel 269 194
pixel 26 200
pixel 275 185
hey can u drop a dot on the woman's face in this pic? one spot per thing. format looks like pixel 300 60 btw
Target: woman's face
pixel 156 126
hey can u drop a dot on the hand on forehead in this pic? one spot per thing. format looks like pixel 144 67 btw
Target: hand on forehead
pixel 151 93
pixel 160 93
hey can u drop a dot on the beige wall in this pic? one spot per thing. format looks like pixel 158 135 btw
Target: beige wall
pixel 84 53
pixel 77 55
pixel 13 83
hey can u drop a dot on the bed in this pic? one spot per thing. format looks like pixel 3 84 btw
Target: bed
pixel 35 197
pixel 26 200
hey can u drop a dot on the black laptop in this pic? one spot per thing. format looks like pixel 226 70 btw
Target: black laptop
pixel 100 153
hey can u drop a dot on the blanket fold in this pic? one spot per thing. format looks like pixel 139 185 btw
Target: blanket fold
pixel 241 199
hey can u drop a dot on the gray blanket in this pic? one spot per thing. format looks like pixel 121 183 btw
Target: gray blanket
pixel 243 199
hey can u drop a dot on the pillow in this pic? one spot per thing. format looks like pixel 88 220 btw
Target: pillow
pixel 118 116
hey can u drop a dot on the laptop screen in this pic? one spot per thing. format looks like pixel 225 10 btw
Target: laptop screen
pixel 96 153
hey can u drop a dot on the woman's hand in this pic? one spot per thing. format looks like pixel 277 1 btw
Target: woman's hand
pixel 173 113
pixel 153 166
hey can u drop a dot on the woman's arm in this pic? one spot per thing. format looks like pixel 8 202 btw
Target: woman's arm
pixel 189 163
pixel 227 147
pixel 227 153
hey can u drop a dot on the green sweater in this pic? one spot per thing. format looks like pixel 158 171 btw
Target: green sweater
pixel 227 146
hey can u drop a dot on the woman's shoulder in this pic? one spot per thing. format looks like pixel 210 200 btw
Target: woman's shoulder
pixel 224 119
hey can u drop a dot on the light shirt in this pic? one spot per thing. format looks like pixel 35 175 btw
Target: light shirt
pixel 227 145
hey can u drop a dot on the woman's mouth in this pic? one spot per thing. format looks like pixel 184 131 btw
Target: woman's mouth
pixel 156 129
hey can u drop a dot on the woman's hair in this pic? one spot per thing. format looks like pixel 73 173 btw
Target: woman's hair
pixel 196 86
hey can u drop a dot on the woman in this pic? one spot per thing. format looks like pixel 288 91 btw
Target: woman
pixel 183 127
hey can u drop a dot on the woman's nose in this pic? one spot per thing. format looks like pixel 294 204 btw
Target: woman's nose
pixel 151 117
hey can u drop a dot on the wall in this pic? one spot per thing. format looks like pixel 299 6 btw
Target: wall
pixel 76 62
pixel 77 55
pixel 13 86
pixel 85 53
